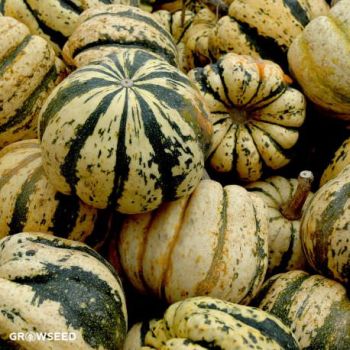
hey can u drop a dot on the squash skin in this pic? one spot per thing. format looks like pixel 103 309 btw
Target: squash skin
pixel 29 72
pixel 325 229
pixel 31 204
pixel 113 28
pixel 316 308
pixel 339 161
pixel 218 236
pixel 255 115
pixel 285 250
pixel 205 323
pixel 106 155
pixel 51 284
pixel 318 60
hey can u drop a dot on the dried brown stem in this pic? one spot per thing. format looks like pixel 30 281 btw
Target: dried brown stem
pixel 293 209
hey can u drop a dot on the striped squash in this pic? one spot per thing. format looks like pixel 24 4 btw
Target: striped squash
pixel 30 203
pixel 316 309
pixel 116 27
pixel 50 284
pixel 339 161
pixel 285 199
pixel 325 229
pixel 54 20
pixel 206 323
pixel 128 133
pixel 217 236
pixel 29 70
pixel 263 28
pixel 318 59
pixel 255 114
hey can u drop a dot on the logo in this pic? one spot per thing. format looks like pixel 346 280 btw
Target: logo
pixel 30 337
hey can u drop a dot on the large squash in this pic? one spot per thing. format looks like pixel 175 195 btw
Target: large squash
pixel 128 133
pixel 285 200
pixel 263 28
pixel 206 323
pixel 325 229
pixel 30 203
pixel 107 29
pixel 318 59
pixel 29 70
pixel 255 114
pixel 54 285
pixel 213 242
pixel 316 309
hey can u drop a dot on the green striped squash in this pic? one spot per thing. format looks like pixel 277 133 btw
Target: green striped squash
pixel 263 28
pixel 29 70
pixel 207 323
pixel 30 203
pixel 325 229
pixel 339 161
pixel 50 284
pixel 254 112
pixel 54 20
pixel 285 250
pixel 113 28
pixel 128 133
pixel 316 309
pixel 217 236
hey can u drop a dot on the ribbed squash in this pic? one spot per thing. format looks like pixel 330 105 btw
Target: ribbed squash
pixel 285 199
pixel 213 242
pixel 207 323
pixel 316 309
pixel 263 28
pixel 128 133
pixel 49 284
pixel 111 28
pixel 325 229
pixel 339 161
pixel 319 61
pixel 29 70
pixel 255 114
pixel 54 20
pixel 30 203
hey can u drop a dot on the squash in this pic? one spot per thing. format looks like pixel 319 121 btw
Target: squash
pixel 318 59
pixel 325 229
pixel 255 115
pixel 30 203
pixel 29 70
pixel 207 323
pixel 217 236
pixel 263 28
pixel 127 133
pixel 50 284
pixel 54 20
pixel 113 28
pixel 339 161
pixel 285 199
pixel 316 309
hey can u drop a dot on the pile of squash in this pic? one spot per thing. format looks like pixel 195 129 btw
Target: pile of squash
pixel 174 174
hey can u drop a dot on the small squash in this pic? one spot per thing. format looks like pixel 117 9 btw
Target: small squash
pixel 29 70
pixel 206 323
pixel 255 114
pixel 128 133
pixel 325 229
pixel 316 309
pixel 285 199
pixel 112 28
pixel 217 236
pixel 30 203
pixel 50 284
pixel 318 59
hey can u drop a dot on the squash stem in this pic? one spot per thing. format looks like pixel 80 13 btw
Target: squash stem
pixel 293 209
